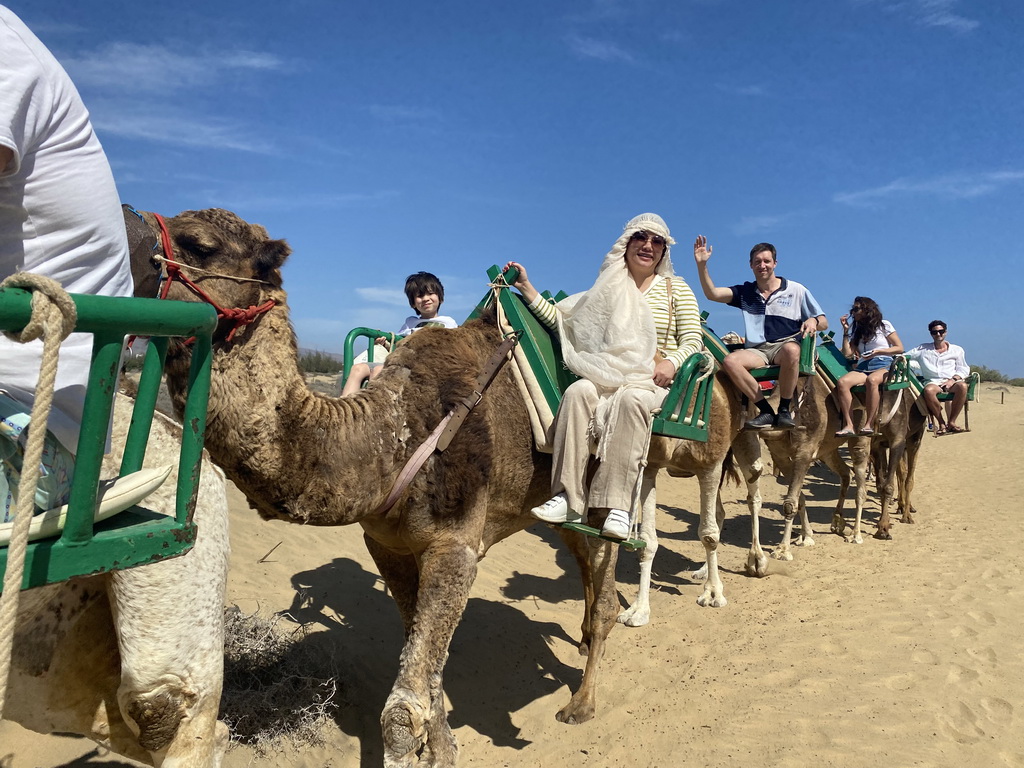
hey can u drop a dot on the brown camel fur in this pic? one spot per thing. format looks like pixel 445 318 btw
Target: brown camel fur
pixel 313 459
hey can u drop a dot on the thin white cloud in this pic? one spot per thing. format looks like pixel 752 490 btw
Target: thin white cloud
pixel 137 121
pixel 298 202
pixel 928 13
pixel 394 297
pixel 158 69
pixel 954 186
pixel 591 48
pixel 750 224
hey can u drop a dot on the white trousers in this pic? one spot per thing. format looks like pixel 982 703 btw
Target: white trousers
pixel 615 478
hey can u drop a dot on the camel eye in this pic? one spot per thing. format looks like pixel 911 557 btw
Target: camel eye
pixel 197 245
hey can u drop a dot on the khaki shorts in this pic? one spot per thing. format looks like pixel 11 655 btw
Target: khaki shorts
pixel 769 350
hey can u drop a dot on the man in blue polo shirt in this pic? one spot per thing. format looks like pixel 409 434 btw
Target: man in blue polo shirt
pixel 777 313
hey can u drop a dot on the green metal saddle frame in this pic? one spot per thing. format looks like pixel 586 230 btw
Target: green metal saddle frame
pixel 973 380
pixel 833 365
pixel 136 536
pixel 719 349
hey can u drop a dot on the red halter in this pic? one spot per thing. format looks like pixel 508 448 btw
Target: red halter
pixel 240 317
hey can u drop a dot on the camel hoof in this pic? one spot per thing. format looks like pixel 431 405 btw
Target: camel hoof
pixel 907 520
pixel 700 574
pixel 883 535
pixel 632 617
pixel 403 726
pixel 709 600
pixel 757 566
pixel 804 541
pixel 780 554
pixel 572 715
pixel 855 539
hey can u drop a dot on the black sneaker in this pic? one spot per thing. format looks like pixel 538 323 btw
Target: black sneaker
pixel 761 421
pixel 784 420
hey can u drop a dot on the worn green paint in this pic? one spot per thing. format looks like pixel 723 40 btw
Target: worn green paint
pixel 136 536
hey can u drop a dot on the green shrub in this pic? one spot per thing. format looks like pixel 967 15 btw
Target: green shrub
pixel 319 362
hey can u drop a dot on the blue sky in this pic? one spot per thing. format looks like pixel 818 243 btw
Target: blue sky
pixel 876 143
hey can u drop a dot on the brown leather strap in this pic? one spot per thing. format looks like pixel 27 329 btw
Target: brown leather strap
pixel 443 433
pixel 483 381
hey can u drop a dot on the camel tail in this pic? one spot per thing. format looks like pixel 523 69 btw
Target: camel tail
pixel 729 470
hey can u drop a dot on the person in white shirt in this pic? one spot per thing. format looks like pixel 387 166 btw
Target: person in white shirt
pixel 872 341
pixel 944 369
pixel 60 217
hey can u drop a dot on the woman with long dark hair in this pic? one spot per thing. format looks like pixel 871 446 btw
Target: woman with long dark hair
pixel 872 341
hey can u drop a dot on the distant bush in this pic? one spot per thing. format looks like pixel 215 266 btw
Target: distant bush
pixel 991 374
pixel 319 362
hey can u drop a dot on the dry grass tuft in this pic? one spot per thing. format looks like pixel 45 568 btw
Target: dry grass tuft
pixel 279 688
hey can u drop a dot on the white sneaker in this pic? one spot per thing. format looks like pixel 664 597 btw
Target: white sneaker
pixel 616 525
pixel 556 510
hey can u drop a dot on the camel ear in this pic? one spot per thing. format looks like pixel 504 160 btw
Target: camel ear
pixel 271 255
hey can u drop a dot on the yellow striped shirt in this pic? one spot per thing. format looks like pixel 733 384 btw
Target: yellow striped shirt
pixel 678 337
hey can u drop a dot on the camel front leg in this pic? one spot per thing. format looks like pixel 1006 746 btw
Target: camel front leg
pixel 746 449
pixel 709 531
pixel 583 704
pixel 860 451
pixel 639 613
pixel 888 489
pixel 577 544
pixel 414 719
pixel 835 462
pixel 806 537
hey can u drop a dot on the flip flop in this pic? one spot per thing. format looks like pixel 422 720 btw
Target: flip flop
pixel 846 433
pixel 953 429
pixel 866 432
pixel 941 431
pixel 114 496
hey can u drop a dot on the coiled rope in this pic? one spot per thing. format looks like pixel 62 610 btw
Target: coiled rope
pixel 53 318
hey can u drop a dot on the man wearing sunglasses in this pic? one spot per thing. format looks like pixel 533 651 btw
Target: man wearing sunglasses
pixel 944 369
pixel 777 313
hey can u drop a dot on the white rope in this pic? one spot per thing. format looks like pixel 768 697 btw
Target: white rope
pixel 200 271
pixel 53 318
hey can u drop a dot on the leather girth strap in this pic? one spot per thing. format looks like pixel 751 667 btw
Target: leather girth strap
pixel 445 431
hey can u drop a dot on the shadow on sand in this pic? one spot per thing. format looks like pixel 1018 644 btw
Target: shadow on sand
pixel 499 661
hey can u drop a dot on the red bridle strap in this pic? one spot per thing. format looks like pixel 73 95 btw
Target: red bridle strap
pixel 240 317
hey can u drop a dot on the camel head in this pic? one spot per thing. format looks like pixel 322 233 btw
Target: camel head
pixel 237 263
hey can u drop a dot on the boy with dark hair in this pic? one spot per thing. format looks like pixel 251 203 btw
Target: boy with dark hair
pixel 425 294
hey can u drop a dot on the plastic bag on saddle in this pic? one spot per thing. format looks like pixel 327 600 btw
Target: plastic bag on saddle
pixel 56 468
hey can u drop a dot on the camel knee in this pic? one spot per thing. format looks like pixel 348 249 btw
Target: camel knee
pixel 403 726
pixel 157 714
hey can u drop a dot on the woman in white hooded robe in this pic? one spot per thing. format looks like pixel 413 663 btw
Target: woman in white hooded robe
pixel 625 337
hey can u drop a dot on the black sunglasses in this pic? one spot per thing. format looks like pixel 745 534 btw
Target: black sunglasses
pixel 643 237
pixel 937 331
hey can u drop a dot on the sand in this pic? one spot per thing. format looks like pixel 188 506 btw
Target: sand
pixel 900 653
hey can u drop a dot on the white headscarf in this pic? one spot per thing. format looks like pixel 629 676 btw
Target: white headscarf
pixel 608 334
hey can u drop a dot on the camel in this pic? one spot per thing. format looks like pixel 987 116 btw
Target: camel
pixel 134 659
pixel 317 460
pixel 794 451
